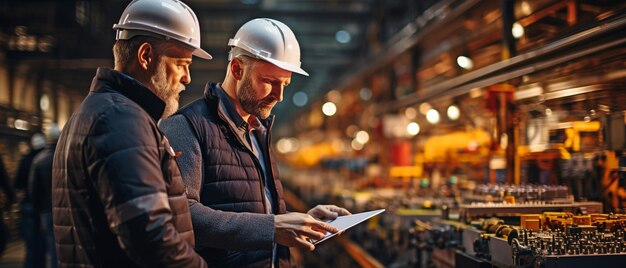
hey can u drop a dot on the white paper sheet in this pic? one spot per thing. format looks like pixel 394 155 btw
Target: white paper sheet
pixel 346 222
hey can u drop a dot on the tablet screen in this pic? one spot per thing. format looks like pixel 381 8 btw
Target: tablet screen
pixel 346 222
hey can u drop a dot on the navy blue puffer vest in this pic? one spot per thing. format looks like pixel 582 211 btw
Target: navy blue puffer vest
pixel 233 179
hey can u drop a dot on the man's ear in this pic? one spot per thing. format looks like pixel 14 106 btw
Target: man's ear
pixel 236 68
pixel 144 55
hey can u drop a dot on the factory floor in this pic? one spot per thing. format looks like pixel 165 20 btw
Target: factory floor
pixel 13 255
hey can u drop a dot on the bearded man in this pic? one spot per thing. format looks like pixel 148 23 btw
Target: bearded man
pixel 227 164
pixel 117 196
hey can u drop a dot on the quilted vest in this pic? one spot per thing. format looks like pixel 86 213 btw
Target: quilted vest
pixel 233 177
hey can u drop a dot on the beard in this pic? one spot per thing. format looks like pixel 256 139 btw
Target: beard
pixel 261 108
pixel 161 88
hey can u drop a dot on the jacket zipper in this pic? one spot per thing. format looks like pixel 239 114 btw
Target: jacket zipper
pixel 271 168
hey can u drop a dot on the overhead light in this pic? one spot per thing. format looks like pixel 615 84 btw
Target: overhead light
pixel 504 141
pixel 548 111
pixel 334 96
pixel 525 7
pixel 413 128
pixel 517 30
pixel 284 146
pixel 44 102
pixel 453 112
pixel 295 144
pixel 425 107
pixel 287 145
pixel 343 36
pixel 21 124
pixel 465 62
pixel 329 109
pixel 475 93
pixel 432 116
pixel 351 130
pixel 357 146
pixel 300 99
pixel 365 93
pixel 410 113
pixel 362 137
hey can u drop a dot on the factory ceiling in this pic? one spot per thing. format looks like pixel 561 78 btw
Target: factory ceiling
pixel 64 41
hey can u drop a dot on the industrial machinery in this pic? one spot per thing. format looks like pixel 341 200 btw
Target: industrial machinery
pixel 549 239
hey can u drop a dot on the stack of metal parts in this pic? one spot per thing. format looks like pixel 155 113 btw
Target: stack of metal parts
pixel 528 233
pixel 573 248
pixel 562 240
pixel 514 200
pixel 526 193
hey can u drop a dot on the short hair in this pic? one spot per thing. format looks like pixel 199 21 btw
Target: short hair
pixel 245 56
pixel 124 50
pixel 247 61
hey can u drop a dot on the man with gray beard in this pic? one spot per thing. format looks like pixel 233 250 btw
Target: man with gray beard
pixel 235 194
pixel 117 196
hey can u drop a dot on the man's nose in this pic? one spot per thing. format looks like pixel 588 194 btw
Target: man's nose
pixel 186 78
pixel 278 92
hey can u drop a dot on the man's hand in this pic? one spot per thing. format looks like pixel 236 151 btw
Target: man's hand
pixel 328 212
pixel 293 230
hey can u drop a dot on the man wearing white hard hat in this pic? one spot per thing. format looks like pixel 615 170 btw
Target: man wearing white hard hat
pixel 117 196
pixel 236 197
pixel 40 190
pixel 34 250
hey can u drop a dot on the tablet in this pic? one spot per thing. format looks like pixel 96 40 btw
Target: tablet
pixel 346 222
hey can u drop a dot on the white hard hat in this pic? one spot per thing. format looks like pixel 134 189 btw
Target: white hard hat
pixel 169 19
pixel 37 141
pixel 269 40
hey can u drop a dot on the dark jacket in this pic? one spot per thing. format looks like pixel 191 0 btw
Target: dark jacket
pixel 6 187
pixel 23 170
pixel 226 177
pixel 4 183
pixel 40 179
pixel 118 198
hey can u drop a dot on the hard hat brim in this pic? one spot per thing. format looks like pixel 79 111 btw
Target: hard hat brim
pixel 125 34
pixel 285 66
pixel 200 53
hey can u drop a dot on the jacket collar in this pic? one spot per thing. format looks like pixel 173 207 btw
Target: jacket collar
pixel 109 79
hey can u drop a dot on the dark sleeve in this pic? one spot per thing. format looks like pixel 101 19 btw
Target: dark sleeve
pixel 34 183
pixel 124 160
pixel 213 228
pixel 21 176
pixel 4 182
